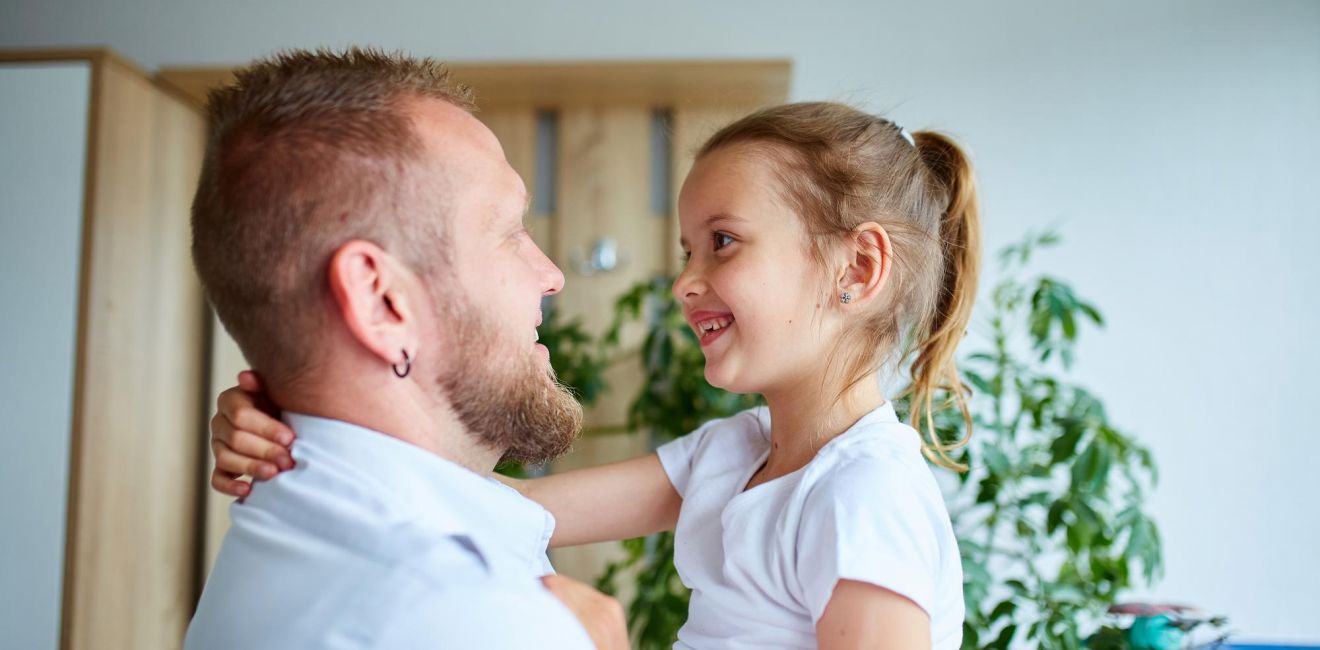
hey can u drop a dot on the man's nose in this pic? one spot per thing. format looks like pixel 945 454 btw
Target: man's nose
pixel 552 278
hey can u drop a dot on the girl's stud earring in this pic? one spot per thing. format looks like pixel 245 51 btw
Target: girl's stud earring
pixel 845 297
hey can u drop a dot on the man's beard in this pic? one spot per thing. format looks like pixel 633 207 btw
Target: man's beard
pixel 502 396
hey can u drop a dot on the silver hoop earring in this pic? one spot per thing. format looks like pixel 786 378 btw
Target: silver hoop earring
pixel 407 366
pixel 845 297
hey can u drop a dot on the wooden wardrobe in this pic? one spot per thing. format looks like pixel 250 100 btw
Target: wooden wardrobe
pixel 103 354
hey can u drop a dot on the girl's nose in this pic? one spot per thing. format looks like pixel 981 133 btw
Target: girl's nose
pixel 689 284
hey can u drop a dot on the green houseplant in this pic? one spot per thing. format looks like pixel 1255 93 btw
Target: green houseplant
pixel 1049 518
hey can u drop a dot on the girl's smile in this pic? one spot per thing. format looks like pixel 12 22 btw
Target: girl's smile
pixel 710 325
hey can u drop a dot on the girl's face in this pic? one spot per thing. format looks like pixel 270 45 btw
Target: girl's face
pixel 755 296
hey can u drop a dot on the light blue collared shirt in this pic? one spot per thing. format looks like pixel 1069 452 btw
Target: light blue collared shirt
pixel 370 542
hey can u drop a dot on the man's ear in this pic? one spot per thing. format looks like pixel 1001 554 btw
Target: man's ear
pixel 370 290
pixel 869 263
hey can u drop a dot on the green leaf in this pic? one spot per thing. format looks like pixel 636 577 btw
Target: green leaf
pixel 1040 326
pixel 1005 637
pixel 1036 499
pixel 1025 529
pixel 1054 518
pixel 1003 609
pixel 1065 446
pixel 1092 313
pixel 988 491
pixel 979 383
pixel 971 636
pixel 1108 638
pixel 997 462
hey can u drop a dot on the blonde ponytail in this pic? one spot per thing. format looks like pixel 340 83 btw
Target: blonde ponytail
pixel 934 368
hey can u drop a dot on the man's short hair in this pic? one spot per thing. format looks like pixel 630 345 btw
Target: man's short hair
pixel 306 151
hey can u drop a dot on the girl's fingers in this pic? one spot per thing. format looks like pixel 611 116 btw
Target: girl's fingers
pixel 253 421
pixel 255 447
pixel 222 430
pixel 233 400
pixel 240 409
pixel 250 382
pixel 226 483
pixel 228 460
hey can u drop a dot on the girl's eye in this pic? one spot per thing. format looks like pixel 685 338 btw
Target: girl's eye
pixel 684 257
pixel 722 240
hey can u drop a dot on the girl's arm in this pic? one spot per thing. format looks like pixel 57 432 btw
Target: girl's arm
pixel 620 500
pixel 610 502
pixel 862 615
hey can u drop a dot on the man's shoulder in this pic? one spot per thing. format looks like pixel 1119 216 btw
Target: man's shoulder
pixel 289 527
pixel 301 591
pixel 329 498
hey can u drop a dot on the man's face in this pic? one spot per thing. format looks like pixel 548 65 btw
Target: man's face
pixel 497 378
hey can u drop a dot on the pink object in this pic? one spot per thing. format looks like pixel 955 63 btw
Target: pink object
pixel 1149 609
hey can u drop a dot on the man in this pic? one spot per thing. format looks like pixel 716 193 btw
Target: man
pixel 360 236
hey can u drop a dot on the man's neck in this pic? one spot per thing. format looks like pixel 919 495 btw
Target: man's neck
pixel 395 411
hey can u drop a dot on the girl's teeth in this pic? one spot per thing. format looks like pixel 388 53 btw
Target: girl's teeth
pixel 716 325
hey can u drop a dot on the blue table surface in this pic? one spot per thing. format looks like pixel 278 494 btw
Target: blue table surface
pixel 1230 645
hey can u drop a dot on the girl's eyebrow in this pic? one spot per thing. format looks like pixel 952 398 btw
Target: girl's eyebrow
pixel 714 220
pixel 723 217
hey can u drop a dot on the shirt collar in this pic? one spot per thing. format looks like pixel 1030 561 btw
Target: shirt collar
pixel 874 421
pixel 879 423
pixel 419 486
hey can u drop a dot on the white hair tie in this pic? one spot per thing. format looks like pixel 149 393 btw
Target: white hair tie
pixel 907 136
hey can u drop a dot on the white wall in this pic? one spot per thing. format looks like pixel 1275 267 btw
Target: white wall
pixel 1177 144
pixel 43 125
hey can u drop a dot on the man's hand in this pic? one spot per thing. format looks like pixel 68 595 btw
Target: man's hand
pixel 601 615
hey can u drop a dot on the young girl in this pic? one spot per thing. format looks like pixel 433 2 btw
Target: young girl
pixel 823 244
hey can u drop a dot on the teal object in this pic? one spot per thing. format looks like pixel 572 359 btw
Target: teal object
pixel 1154 633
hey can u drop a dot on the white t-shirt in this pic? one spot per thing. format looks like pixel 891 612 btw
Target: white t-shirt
pixel 762 563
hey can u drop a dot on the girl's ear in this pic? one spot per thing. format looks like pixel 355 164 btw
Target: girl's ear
pixel 868 265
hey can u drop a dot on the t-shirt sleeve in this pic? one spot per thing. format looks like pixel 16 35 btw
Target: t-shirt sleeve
pixel 677 454
pixel 869 523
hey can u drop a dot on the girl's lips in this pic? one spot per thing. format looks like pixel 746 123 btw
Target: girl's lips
pixel 702 322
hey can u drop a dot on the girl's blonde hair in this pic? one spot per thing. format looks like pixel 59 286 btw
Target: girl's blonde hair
pixel 840 168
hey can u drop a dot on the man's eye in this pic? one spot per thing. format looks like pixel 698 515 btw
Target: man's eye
pixel 722 240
